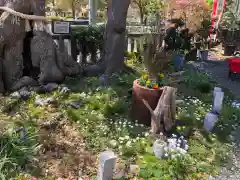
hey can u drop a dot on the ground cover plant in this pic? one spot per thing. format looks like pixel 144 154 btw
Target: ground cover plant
pixel 65 135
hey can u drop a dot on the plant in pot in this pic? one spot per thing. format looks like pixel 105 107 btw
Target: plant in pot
pixel 149 88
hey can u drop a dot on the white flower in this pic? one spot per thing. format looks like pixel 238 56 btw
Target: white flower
pixel 166 155
pixel 126 137
pixel 146 134
pixel 128 144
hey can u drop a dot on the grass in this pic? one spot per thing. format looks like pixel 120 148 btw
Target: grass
pixel 102 122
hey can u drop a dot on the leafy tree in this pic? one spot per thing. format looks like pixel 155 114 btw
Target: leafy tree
pixel 70 4
pixel 146 8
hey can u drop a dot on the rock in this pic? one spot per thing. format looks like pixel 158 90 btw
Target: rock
pixel 24 82
pixel 74 104
pixel 25 94
pixel 15 95
pixel 41 102
pixel 64 89
pixel 50 87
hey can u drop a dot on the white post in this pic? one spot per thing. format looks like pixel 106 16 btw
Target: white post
pixel 67 43
pixel 141 43
pixel 106 165
pixel 135 45
pixel 92 11
pixel 129 44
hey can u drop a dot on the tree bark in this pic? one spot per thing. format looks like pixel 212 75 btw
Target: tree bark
pixel 44 55
pixel 163 117
pixel 114 47
pixel 115 32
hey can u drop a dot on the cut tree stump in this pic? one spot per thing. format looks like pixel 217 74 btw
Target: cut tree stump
pixel 163 116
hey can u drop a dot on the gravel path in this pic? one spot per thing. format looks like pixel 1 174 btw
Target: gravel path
pixel 218 71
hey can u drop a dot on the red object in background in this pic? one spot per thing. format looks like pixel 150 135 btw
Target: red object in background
pixel 234 65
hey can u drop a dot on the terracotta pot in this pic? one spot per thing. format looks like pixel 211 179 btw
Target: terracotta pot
pixel 139 111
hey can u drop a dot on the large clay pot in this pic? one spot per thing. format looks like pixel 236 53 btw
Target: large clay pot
pixel 229 49
pixel 139 111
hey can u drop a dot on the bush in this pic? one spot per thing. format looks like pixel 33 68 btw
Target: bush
pixel 89 38
pixel 198 81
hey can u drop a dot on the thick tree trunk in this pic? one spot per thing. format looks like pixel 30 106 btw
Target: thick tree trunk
pixel 23 58
pixel 115 43
pixel 113 60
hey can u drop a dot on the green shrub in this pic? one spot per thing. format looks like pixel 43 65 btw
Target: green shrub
pixel 198 81
pixel 89 37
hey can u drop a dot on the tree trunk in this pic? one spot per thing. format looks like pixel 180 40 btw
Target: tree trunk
pixel 113 60
pixel 25 57
pixel 141 16
pixel 115 29
pixel 73 9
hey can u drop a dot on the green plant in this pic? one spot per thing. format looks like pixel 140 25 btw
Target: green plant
pixel 14 152
pixel 148 81
pixel 89 39
pixel 198 81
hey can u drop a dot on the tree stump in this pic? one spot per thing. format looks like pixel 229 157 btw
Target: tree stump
pixel 163 116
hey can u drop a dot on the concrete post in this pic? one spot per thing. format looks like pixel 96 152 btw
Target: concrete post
pixel 92 11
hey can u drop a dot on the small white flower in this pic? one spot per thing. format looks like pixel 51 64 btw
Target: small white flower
pixel 126 137
pixel 166 155
pixel 128 144
pixel 146 134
